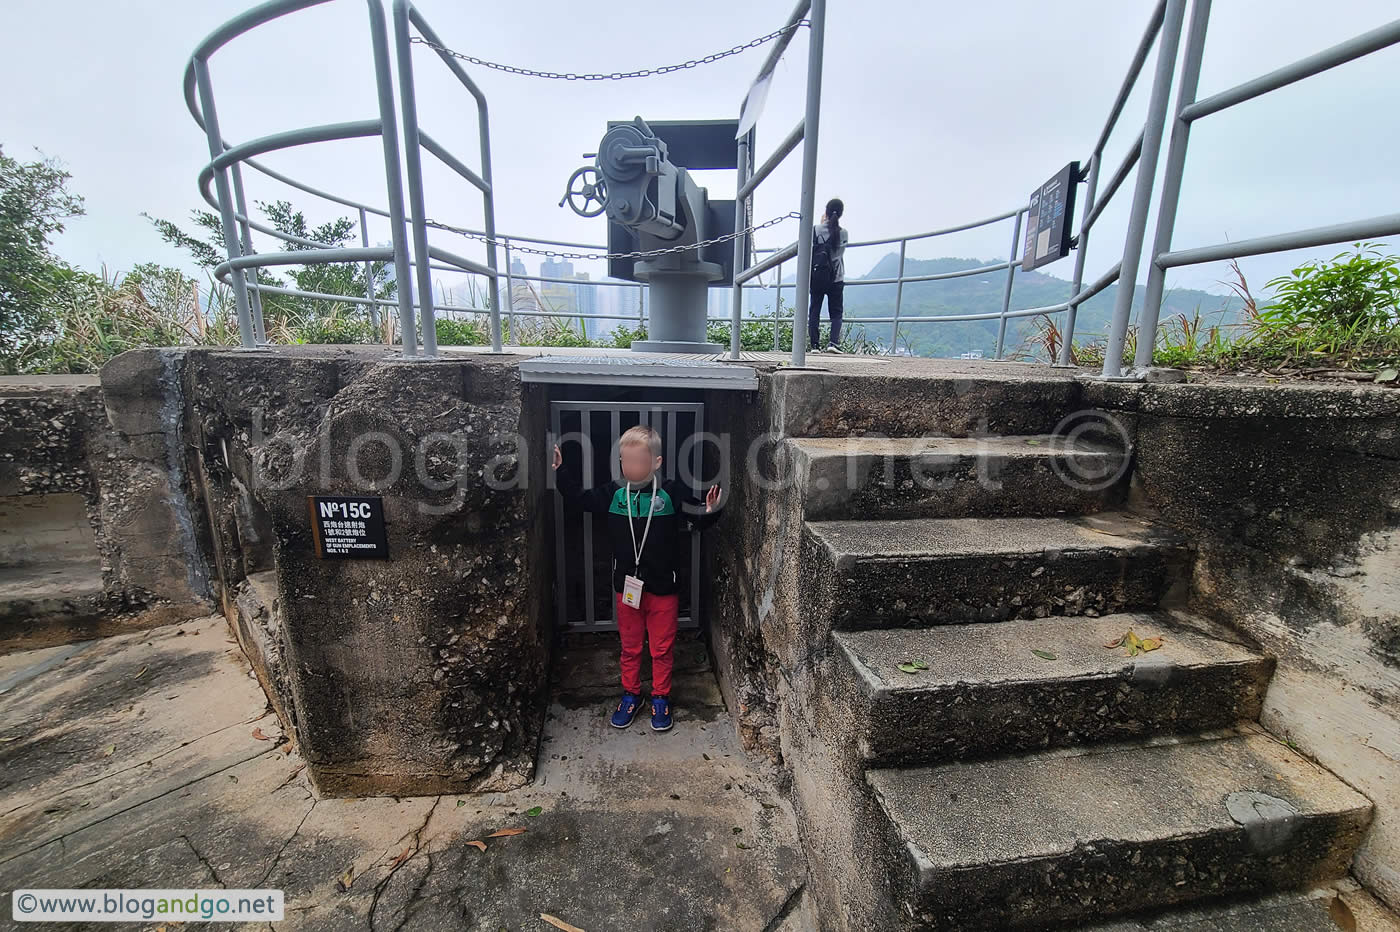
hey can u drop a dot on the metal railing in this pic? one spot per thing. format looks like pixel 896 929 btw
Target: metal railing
pixel 224 171
pixel 1188 110
pixel 806 133
pixel 221 185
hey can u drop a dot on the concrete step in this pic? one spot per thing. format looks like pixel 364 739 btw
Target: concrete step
pixel 985 693
pixel 1331 908
pixel 1059 837
pixel 869 396
pixel 932 571
pixel 943 477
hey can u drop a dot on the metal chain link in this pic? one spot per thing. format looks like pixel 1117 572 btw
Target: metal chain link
pixel 616 75
pixel 641 254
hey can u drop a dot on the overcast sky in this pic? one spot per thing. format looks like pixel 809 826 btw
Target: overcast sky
pixel 933 113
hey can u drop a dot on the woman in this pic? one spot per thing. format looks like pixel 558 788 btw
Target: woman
pixel 828 276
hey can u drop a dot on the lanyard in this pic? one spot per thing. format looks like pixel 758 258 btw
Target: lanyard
pixel 636 550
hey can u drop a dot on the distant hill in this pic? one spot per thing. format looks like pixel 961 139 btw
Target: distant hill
pixel 982 294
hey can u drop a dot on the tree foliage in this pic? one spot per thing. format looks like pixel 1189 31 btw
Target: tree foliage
pixel 34 204
pixel 205 244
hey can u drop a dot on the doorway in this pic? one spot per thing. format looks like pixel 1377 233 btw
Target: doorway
pixel 583 596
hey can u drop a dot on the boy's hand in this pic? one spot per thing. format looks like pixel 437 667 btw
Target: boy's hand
pixel 712 499
pixel 558 457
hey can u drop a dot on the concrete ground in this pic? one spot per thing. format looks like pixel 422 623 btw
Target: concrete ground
pixel 152 760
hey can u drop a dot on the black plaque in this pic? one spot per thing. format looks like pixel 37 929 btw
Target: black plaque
pixel 348 527
pixel 1048 218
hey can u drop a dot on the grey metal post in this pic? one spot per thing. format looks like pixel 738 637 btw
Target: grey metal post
pixel 1081 256
pixel 413 166
pixel 812 133
pixel 898 297
pixel 369 275
pixel 736 310
pixel 489 204
pixel 393 180
pixel 1170 39
pixel 510 289
pixel 221 188
pixel 1171 182
pixel 250 275
pixel 778 314
pixel 1010 279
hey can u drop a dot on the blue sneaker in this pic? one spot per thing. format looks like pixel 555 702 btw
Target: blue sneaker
pixel 660 713
pixel 626 711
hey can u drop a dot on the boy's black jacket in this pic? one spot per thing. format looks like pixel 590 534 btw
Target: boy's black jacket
pixel 675 508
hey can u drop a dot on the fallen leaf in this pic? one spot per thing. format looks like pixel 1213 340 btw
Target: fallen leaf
pixel 478 844
pixel 110 750
pixel 559 923
pixel 1152 643
pixel 258 733
pixel 343 882
pixel 1116 642
pixel 141 674
pixel 1385 375
pixel 403 856
pixel 912 666
pixel 507 831
pixel 738 830
pixel 1043 654
pixel 461 803
pixel 1134 644
pixel 533 811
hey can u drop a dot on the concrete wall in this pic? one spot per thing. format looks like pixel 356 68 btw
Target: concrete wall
pixel 423 673
pixel 1292 496
pixel 77 451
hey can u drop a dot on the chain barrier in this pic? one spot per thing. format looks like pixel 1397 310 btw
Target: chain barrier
pixel 641 254
pixel 615 75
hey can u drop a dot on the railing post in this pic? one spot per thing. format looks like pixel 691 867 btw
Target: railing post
pixel 1080 257
pixel 1171 182
pixel 1010 280
pixel 489 205
pixel 811 133
pixel 898 297
pixel 393 180
pixel 510 289
pixel 1142 195
pixel 778 314
pixel 221 190
pixel 369 274
pixel 413 166
pixel 249 275
pixel 736 310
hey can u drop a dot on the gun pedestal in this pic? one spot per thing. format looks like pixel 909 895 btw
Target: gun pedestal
pixel 653 204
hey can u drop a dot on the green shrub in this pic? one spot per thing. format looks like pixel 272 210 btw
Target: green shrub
pixel 462 332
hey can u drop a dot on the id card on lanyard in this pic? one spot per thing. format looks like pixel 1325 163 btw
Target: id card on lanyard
pixel 632 585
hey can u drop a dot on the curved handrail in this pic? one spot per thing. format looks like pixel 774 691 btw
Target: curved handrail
pixel 228 159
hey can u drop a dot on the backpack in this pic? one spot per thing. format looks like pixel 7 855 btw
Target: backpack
pixel 822 265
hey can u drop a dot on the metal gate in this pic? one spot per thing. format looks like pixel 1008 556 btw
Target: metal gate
pixel 583 596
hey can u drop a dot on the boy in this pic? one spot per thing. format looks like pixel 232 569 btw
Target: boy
pixel 644 524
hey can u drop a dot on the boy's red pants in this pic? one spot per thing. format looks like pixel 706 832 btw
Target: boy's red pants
pixel 656 622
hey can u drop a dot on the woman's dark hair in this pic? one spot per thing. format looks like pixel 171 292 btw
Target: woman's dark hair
pixel 834 210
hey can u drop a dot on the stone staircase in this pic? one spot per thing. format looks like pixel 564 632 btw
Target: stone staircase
pixel 1029 777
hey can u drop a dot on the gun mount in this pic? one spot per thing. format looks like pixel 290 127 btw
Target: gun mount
pixel 653 203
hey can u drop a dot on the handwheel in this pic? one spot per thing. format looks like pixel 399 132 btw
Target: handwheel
pixel 587 193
